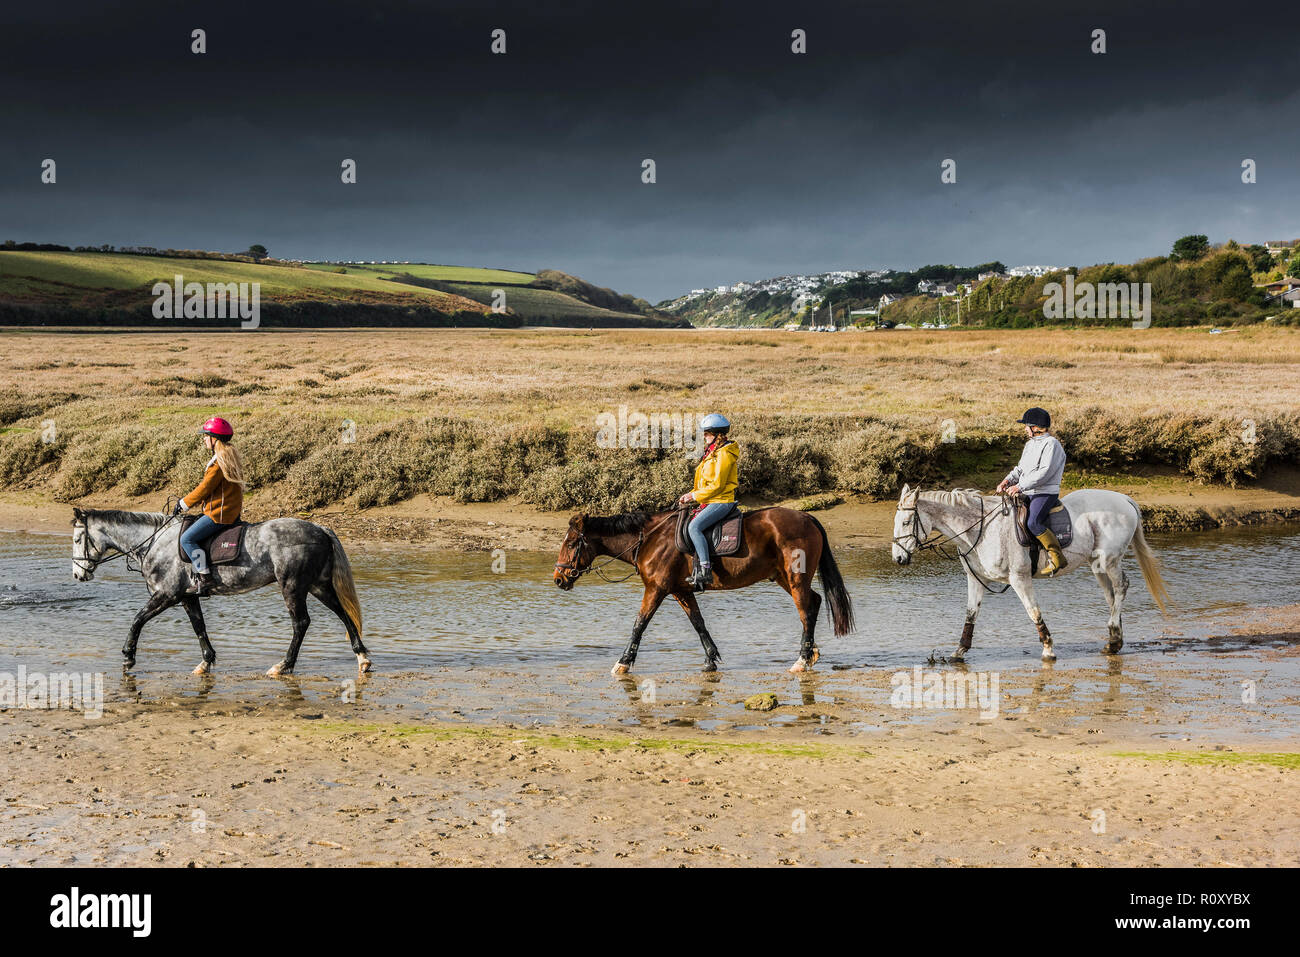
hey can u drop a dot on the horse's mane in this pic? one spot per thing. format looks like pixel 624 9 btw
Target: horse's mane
pixel 122 515
pixel 961 497
pixel 617 524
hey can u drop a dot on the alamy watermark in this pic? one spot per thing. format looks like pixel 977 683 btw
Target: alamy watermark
pixel 216 300
pixel 1104 300
pixel 75 909
pixel 941 690
pixel 657 430
pixel 36 690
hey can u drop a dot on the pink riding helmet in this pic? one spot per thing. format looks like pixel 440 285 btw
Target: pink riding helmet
pixel 218 428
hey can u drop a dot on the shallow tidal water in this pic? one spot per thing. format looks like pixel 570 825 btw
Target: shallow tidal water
pixel 454 636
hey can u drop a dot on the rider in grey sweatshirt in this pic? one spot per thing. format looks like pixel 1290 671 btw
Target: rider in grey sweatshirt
pixel 1041 466
pixel 1038 478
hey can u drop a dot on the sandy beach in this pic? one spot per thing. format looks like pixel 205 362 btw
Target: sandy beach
pixel 224 775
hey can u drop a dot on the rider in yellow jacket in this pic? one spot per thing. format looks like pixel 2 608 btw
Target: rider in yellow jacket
pixel 716 478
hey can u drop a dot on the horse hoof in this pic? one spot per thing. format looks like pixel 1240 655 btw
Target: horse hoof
pixel 799 667
pixel 202 668
pixel 1112 648
pixel 128 664
pixel 1049 655
pixel 363 664
pixel 959 654
pixel 275 671
pixel 710 667
pixel 620 669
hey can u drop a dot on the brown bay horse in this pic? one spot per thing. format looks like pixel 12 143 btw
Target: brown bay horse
pixel 780 544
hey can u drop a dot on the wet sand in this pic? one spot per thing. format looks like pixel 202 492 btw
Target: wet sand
pixel 1117 761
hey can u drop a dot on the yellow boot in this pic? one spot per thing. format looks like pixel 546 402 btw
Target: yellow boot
pixel 1053 547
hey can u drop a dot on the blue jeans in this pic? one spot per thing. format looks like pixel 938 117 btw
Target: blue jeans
pixel 709 516
pixel 1039 506
pixel 196 536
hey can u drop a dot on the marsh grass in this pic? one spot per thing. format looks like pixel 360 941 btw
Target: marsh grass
pixel 485 415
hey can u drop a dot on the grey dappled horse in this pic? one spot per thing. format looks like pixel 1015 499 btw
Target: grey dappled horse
pixel 1105 524
pixel 301 557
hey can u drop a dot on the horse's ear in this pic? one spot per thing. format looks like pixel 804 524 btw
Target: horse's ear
pixel 77 514
pixel 907 490
pixel 577 521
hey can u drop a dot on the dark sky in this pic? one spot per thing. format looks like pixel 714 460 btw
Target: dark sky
pixel 768 162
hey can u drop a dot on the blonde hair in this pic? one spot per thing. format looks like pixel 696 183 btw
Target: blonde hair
pixel 228 460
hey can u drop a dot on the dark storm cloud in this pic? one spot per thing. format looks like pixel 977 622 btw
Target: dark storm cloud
pixel 767 162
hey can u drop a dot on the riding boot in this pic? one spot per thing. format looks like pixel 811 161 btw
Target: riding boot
pixel 701 575
pixel 200 584
pixel 1054 553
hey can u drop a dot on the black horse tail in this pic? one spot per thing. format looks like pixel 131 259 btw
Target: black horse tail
pixel 833 583
pixel 343 585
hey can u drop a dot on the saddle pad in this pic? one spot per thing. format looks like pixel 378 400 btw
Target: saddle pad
pixel 727 537
pixel 223 548
pixel 1058 520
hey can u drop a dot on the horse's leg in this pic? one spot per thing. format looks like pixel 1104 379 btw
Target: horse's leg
pixel 195 610
pixel 1118 581
pixel 158 603
pixel 809 603
pixel 798 585
pixel 974 598
pixel 649 604
pixel 330 600
pixel 295 598
pixel 711 656
pixel 1098 565
pixel 1024 586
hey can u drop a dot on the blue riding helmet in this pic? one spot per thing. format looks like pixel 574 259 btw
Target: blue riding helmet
pixel 715 423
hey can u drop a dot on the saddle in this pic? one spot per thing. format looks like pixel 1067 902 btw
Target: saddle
pixel 222 548
pixel 1058 520
pixel 725 538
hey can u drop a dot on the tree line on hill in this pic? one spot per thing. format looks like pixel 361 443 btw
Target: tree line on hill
pixel 255 253
pixel 1196 283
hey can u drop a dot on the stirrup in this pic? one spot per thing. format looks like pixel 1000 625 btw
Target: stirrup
pixel 1055 569
pixel 200 584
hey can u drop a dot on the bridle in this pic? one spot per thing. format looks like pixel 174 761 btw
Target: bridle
pixel 581 543
pixel 924 541
pixel 90 564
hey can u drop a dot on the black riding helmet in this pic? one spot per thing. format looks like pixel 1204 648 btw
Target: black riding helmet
pixel 1038 417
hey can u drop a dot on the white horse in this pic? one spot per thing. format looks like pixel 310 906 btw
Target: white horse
pixel 983 535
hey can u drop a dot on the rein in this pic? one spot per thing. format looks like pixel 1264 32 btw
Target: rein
pixel 926 542
pixel 134 551
pixel 582 543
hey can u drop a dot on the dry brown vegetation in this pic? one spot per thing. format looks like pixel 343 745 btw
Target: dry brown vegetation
pixel 482 415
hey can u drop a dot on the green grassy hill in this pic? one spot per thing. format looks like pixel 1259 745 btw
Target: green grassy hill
pixel 429 271
pixel 124 280
pixel 548 297
pixel 110 288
